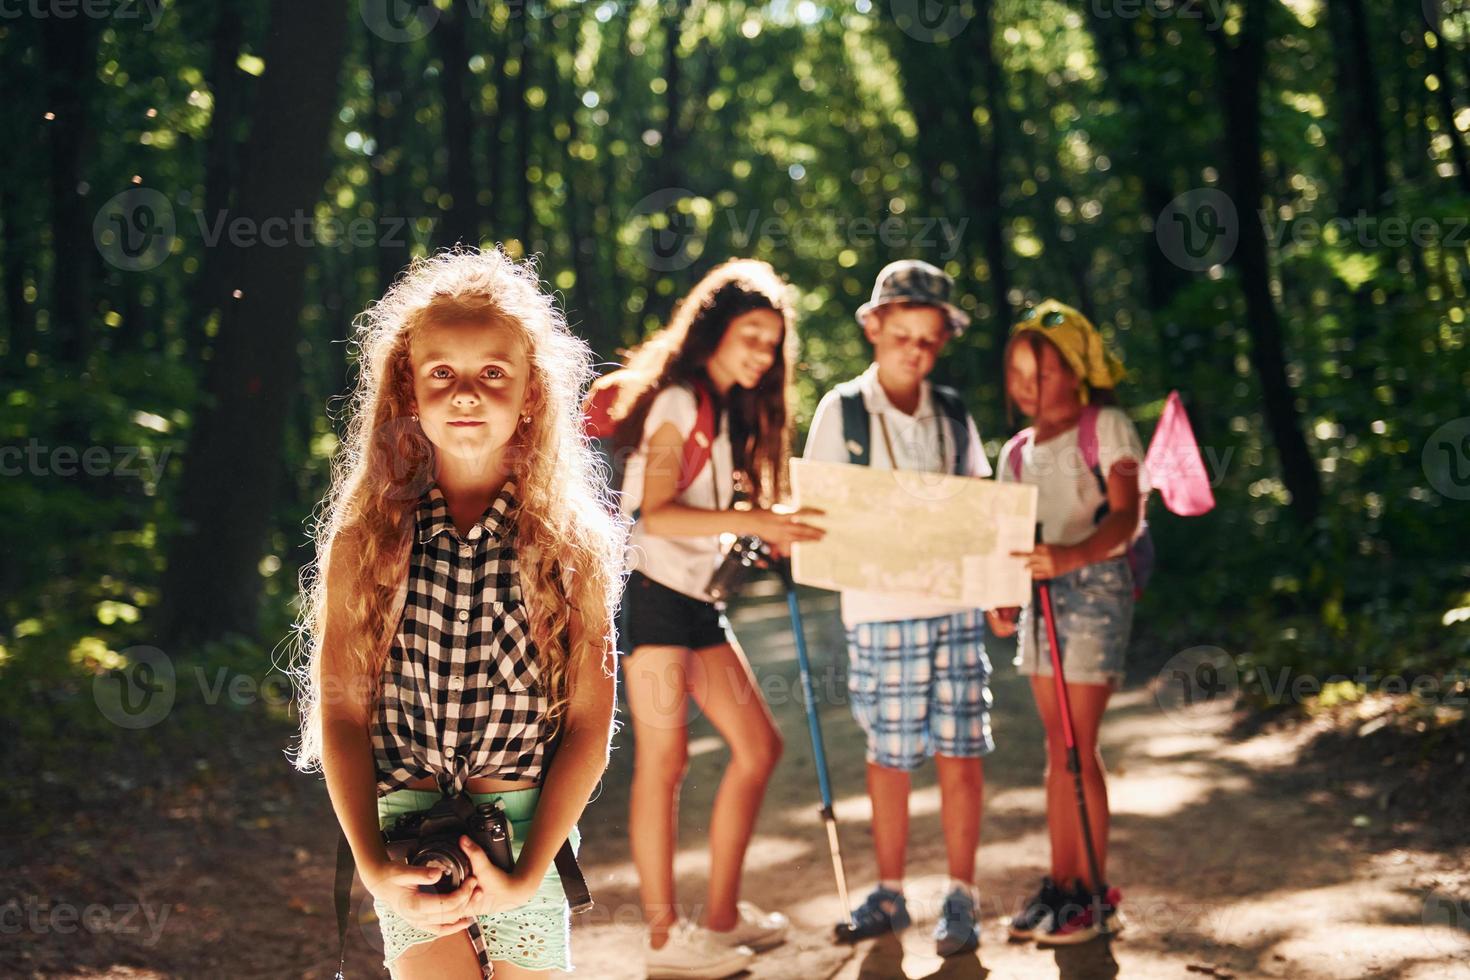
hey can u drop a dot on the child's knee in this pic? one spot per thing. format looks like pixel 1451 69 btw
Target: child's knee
pixel 759 755
pixel 665 764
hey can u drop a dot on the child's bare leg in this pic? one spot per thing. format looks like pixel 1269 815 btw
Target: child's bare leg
pixel 1089 701
pixel 961 792
pixel 657 691
pixel 888 789
pixel 448 956
pixel 1069 858
pixel 725 689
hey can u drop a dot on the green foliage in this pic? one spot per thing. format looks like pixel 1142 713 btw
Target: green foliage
pixel 797 128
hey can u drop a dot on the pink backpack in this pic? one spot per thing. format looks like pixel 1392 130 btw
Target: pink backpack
pixel 1174 466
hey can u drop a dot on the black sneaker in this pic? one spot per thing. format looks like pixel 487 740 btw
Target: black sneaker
pixel 1083 917
pixel 1039 912
pixel 884 911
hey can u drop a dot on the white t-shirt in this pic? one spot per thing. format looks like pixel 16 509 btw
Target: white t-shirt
pixel 683 564
pixel 920 442
pixel 1068 495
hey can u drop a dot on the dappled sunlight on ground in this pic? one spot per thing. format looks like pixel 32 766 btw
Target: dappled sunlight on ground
pixel 1226 863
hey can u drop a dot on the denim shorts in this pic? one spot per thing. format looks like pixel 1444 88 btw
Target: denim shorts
pixel 536 935
pixel 1093 607
pixel 920 687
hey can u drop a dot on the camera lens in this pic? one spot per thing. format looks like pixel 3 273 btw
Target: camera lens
pixel 450 861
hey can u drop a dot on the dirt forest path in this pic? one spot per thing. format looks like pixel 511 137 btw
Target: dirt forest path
pixel 1230 863
pixel 213 859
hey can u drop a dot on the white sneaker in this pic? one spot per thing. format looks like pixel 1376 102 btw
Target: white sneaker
pixel 758 930
pixel 694 953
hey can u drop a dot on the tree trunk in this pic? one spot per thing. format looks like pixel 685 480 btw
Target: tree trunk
pixel 16 257
pixel 1360 143
pixel 461 222
pixel 227 84
pixel 69 50
pixel 1242 66
pixel 389 105
pixel 985 187
pixel 233 465
pixel 1439 66
pixel 521 21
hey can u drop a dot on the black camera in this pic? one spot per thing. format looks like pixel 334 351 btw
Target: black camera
pixel 747 553
pixel 430 838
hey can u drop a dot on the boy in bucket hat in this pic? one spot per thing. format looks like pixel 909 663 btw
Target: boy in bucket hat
pixel 918 675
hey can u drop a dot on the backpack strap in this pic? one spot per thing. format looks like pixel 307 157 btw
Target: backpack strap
pixel 857 425
pixel 952 408
pixel 1013 457
pixel 699 444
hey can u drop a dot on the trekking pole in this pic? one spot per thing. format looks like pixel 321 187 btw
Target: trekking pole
pixel 1074 760
pixel 814 726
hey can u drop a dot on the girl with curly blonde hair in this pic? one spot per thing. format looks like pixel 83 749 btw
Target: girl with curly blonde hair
pixel 459 615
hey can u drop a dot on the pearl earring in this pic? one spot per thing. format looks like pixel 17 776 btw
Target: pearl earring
pixel 414 416
pixel 525 420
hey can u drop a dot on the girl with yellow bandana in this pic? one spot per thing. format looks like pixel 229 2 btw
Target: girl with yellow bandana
pixel 1086 460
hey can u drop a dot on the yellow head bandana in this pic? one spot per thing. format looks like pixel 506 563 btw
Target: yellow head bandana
pixel 1079 341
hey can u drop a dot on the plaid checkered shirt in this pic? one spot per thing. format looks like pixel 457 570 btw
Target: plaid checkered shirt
pixel 460 696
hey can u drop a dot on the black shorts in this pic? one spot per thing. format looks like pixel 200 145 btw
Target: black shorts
pixel 656 615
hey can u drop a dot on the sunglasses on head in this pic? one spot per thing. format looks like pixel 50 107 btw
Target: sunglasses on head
pixel 1054 318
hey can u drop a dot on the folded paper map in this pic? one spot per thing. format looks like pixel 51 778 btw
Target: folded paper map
pixel 925 535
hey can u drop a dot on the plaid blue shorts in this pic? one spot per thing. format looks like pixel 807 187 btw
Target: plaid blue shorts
pixel 920 687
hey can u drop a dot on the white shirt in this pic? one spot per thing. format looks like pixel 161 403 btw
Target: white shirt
pixel 920 443
pixel 682 564
pixel 1068 495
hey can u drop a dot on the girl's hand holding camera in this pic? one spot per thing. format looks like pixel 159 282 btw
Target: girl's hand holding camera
pixel 399 886
pixel 496 890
